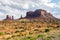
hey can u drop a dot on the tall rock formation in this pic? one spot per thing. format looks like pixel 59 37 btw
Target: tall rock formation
pixel 9 18
pixel 40 14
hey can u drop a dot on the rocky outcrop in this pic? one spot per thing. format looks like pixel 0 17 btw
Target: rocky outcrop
pixel 39 13
pixel 9 18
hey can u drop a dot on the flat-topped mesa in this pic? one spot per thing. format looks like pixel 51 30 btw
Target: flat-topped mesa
pixel 36 13
pixel 39 13
pixel 9 18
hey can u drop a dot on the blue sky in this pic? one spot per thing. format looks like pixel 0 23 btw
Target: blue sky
pixel 17 8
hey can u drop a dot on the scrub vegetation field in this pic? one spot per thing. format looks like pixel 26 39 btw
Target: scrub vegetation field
pixel 26 29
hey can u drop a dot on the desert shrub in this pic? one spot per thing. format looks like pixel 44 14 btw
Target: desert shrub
pixel 30 33
pixel 1 27
pixel 40 35
pixel 22 30
pixel 22 22
pixel 16 38
pixel 8 38
pixel 50 26
pixel 49 38
pixel 29 38
pixel 56 22
pixel 47 30
pixel 15 27
pixel 17 31
pixel 17 35
pixel 32 20
pixel 8 33
pixel 36 30
pixel 59 34
pixel 49 21
pixel 57 26
pixel 13 36
pixel 21 27
pixel 2 33
pixel 38 26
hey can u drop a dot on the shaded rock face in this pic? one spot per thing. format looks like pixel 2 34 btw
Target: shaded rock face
pixel 31 14
pixel 39 13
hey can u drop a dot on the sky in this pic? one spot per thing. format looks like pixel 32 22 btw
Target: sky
pixel 17 8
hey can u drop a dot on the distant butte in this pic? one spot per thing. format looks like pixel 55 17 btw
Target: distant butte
pixel 40 14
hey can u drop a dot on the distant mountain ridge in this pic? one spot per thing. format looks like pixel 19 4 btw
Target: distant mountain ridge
pixel 37 14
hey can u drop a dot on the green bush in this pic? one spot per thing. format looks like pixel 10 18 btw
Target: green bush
pixel 17 35
pixel 40 35
pixel 30 33
pixel 29 38
pixel 2 33
pixel 49 38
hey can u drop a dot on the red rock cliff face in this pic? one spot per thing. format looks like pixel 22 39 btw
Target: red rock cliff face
pixel 39 13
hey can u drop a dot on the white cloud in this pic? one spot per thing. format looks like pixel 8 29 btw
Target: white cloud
pixel 26 6
pixel 18 7
pixel 6 2
pixel 45 1
pixel 52 5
